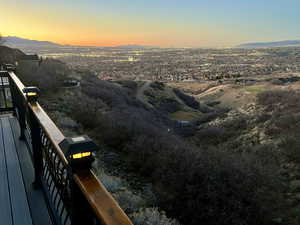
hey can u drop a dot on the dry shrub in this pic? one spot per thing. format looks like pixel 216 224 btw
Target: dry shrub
pixel 290 146
pixel 151 216
pixel 128 201
pixel 194 184
pixel 283 109
pixel 284 99
pixel 221 188
pixel 187 99
pixel 48 76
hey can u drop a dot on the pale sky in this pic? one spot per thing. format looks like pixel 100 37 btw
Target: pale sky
pixel 165 23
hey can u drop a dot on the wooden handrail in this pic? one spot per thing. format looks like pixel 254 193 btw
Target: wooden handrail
pixel 94 191
pixel 105 208
pixel 49 127
pixel 18 83
pixel 52 131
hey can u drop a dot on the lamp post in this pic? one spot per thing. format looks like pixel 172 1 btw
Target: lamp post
pixel 32 93
pixel 79 151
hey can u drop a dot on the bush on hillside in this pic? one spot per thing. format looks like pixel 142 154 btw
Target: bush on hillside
pixel 110 93
pixel 196 185
pixel 48 76
pixel 157 85
pixel 240 189
pixel 212 136
pixel 86 110
pixel 187 99
pixel 130 85
pixel 192 184
pixel 283 110
pixel 285 99
pixel 290 146
pixel 129 202
pixel 151 216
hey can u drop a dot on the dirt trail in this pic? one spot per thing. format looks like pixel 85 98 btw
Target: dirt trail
pixel 140 92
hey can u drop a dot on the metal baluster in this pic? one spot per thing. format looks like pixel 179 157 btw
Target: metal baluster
pixel 13 95
pixel 3 92
pixel 22 106
pixel 36 148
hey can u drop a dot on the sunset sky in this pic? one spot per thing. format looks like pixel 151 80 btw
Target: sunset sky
pixel 166 23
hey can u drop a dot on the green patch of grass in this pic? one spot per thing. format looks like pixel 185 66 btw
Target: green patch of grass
pixel 254 89
pixel 185 115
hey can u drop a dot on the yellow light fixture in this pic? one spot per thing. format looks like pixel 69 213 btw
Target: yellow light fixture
pixel 81 155
pixel 78 151
pixel 31 93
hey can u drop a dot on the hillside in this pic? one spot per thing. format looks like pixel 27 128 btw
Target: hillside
pixel 221 148
pixel 9 55
pixel 145 144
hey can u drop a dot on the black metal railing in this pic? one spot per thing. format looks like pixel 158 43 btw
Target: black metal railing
pixel 51 168
pixel 5 94
pixel 73 197
pixel 55 179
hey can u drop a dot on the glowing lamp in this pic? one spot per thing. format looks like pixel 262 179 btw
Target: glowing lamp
pixel 32 93
pixel 79 151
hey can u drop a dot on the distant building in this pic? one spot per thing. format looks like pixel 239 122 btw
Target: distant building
pixel 29 60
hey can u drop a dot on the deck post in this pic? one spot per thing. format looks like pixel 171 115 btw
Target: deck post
pixel 22 119
pixel 21 107
pixel 13 95
pixel 36 148
pixel 78 151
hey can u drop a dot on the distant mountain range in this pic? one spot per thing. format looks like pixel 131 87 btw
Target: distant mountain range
pixel 17 42
pixel 21 42
pixel 270 44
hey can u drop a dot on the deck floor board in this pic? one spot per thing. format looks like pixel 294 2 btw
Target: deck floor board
pixel 37 204
pixel 18 197
pixel 5 206
pixel 20 204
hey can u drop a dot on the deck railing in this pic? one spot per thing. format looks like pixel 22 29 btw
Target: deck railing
pixel 5 98
pixel 75 198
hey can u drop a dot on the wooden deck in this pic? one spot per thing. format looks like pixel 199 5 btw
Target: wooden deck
pixel 20 203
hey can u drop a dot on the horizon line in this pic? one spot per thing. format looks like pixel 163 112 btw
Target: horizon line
pixel 150 45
